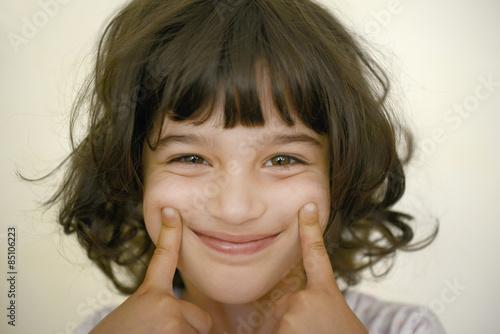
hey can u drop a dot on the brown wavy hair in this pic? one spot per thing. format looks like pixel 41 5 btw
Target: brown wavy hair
pixel 166 58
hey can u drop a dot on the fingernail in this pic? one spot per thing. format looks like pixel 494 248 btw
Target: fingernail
pixel 168 212
pixel 309 208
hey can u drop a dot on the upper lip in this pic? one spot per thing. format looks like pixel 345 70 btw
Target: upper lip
pixel 242 238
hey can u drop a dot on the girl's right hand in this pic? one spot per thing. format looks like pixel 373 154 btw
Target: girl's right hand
pixel 153 308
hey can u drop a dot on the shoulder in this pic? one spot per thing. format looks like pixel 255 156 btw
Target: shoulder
pixel 380 317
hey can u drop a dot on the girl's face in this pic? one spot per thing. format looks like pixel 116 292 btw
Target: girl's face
pixel 238 192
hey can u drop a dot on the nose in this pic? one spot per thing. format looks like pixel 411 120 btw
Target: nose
pixel 237 199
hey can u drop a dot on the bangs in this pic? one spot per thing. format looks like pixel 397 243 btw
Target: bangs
pixel 232 58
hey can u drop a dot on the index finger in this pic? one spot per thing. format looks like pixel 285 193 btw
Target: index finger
pixel 161 269
pixel 316 260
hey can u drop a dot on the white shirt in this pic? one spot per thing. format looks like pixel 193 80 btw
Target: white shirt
pixel 378 317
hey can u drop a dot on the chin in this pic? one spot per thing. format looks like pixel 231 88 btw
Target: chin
pixel 236 284
pixel 236 294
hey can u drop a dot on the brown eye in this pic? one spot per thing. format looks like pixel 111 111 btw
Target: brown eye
pixel 190 159
pixel 282 161
pixel 194 159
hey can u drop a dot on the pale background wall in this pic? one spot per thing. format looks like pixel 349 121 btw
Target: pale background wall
pixel 441 51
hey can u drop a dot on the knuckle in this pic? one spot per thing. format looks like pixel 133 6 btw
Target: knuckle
pixel 287 322
pixel 160 300
pixel 163 249
pixel 310 222
pixel 282 300
pixel 168 228
pixel 174 326
pixel 163 301
pixel 208 323
pixel 318 246
pixel 302 298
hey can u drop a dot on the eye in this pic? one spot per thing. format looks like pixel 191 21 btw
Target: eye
pixel 189 159
pixel 282 160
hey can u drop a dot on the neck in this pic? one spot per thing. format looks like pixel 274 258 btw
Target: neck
pixel 251 317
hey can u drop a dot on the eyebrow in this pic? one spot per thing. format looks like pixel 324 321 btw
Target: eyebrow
pixel 186 139
pixel 290 139
pixel 267 139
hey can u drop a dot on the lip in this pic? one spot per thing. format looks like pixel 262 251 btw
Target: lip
pixel 236 244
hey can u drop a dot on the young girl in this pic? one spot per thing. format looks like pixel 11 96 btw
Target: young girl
pixel 239 162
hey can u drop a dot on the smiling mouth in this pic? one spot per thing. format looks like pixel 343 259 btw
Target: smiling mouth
pixel 236 244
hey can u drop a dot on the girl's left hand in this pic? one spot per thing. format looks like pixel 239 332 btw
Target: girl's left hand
pixel 320 308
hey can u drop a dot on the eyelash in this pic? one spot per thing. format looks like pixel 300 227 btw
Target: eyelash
pixel 182 159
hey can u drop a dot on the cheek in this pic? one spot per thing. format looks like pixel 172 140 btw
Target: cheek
pixel 288 196
pixel 283 199
pixel 167 192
